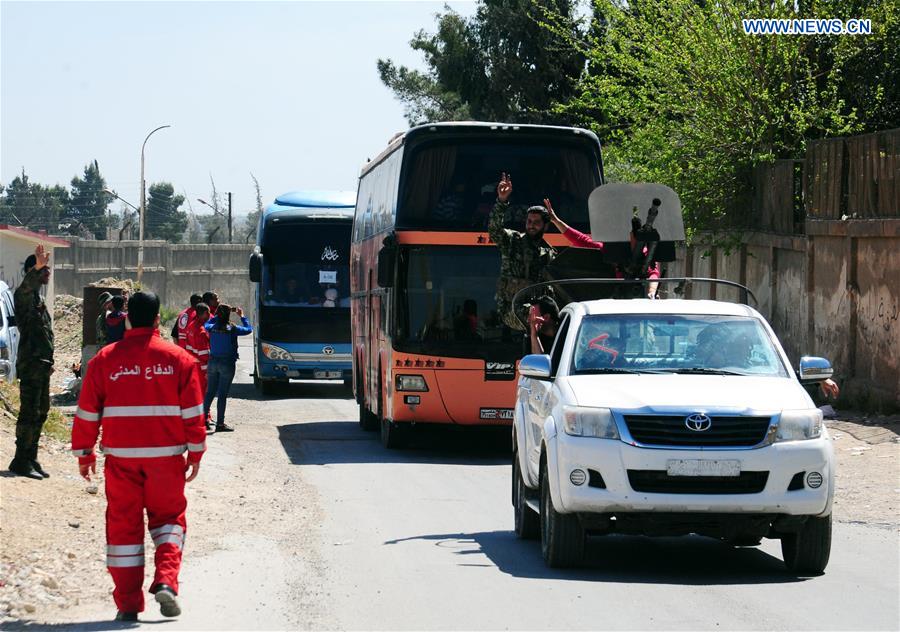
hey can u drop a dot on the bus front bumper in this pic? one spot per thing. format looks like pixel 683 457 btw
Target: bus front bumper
pixel 307 366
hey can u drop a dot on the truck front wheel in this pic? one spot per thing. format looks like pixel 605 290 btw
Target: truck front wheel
pixel 808 550
pixel 562 537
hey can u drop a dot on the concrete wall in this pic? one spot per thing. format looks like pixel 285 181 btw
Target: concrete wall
pixel 834 292
pixel 174 271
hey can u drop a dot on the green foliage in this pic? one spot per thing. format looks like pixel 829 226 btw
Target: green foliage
pixel 88 202
pixel 500 65
pixel 686 99
pixel 163 220
pixel 33 205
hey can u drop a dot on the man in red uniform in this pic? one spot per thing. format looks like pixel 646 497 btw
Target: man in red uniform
pixel 198 345
pixel 183 320
pixel 145 393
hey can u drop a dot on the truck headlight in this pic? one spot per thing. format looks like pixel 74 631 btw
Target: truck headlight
pixel 589 422
pixel 797 425
pixel 275 353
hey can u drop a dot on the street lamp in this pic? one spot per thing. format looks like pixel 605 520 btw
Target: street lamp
pixel 125 225
pixel 140 261
pixel 220 213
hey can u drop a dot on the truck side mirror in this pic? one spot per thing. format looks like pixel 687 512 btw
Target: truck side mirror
pixel 813 369
pixel 256 264
pixel 387 261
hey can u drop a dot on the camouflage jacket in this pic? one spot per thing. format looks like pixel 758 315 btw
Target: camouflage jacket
pixel 522 259
pixel 100 327
pixel 34 323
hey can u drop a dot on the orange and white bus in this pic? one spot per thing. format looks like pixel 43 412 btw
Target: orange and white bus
pixel 428 345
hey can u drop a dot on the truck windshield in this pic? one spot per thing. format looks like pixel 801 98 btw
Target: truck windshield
pixel 687 343
pixel 446 303
pixel 452 184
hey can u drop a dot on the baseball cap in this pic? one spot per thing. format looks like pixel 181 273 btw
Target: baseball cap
pixel 104 298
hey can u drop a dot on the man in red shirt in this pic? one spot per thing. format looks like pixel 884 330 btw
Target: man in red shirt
pixel 183 320
pixel 144 394
pixel 198 345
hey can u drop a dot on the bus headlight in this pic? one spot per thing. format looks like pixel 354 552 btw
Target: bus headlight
pixel 589 422
pixel 275 353
pixel 411 383
pixel 797 425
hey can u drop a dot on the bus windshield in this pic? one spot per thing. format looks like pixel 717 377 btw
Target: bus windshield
pixel 306 265
pixel 451 184
pixel 446 303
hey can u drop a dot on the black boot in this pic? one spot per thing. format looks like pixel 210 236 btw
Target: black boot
pixel 223 427
pixel 24 468
pixel 126 616
pixel 37 468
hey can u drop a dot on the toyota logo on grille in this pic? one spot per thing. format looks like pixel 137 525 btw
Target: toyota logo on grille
pixel 328 350
pixel 698 422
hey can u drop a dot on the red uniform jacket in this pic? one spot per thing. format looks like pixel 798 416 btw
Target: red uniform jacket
pixel 182 322
pixel 198 343
pixel 145 393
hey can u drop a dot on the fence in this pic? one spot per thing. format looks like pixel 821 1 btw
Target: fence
pixel 856 177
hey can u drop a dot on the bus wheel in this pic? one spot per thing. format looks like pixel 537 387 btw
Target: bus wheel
pixel 367 420
pixel 391 435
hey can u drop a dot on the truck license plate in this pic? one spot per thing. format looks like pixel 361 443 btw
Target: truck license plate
pixel 327 375
pixel 702 467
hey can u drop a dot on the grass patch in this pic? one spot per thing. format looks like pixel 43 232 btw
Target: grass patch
pixel 57 425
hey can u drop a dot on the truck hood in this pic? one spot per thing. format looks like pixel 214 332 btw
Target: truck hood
pixel 694 393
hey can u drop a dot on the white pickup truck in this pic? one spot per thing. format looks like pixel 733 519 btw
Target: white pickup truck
pixel 671 417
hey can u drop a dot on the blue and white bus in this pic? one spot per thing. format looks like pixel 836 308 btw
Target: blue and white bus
pixel 301 265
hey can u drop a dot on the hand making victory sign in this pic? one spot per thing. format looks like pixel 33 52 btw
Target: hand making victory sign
pixel 504 188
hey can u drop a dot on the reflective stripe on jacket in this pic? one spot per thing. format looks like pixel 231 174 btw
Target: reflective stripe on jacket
pixel 145 394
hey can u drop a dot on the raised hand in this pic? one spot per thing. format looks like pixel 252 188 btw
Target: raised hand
pixel 42 256
pixel 504 188
pixel 552 213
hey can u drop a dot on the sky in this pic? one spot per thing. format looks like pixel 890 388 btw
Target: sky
pixel 287 91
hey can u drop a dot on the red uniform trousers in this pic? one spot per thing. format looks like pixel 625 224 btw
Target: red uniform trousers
pixel 133 485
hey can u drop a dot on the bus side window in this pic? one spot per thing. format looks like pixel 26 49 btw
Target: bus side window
pixel 558 343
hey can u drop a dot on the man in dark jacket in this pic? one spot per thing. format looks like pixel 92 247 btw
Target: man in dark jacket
pixel 524 256
pixel 33 365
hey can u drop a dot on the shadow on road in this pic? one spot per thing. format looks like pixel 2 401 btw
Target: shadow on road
pixel 324 442
pixel 294 390
pixel 692 560
pixel 81 626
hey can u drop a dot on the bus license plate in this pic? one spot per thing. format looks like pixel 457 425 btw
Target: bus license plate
pixel 496 414
pixel 327 375
pixel 702 467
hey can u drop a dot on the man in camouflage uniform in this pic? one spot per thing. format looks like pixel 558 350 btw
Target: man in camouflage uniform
pixel 33 365
pixel 105 302
pixel 523 255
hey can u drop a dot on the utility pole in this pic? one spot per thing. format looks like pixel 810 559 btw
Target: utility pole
pixel 229 217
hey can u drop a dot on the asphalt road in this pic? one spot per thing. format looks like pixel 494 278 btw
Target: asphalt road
pixel 302 520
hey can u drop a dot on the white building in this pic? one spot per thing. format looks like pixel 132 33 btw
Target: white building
pixel 16 243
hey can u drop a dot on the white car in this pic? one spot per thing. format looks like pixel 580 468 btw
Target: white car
pixel 671 417
pixel 9 334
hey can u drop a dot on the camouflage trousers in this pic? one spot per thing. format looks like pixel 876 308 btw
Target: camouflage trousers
pixel 34 404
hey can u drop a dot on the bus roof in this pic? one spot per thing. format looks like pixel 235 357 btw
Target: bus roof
pixel 471 127
pixel 313 202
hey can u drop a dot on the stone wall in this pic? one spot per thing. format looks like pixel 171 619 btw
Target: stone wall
pixel 834 292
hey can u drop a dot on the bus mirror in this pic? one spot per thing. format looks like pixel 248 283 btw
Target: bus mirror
pixel 256 260
pixel 387 258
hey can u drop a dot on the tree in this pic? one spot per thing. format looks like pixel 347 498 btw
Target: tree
pixel 163 220
pixel 251 223
pixel 500 65
pixel 688 100
pixel 33 205
pixel 87 206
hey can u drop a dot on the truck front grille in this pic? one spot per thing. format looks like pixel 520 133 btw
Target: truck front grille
pixel 671 430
